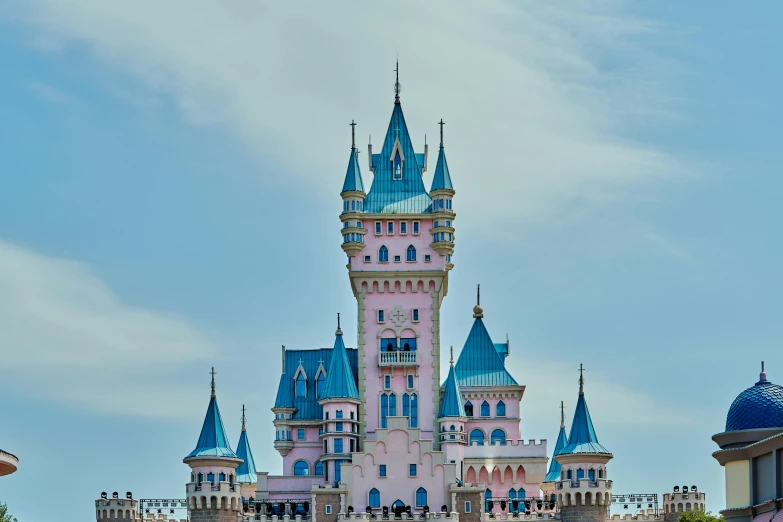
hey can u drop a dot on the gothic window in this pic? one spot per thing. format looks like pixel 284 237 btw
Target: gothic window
pixel 500 409
pixel 384 410
pixel 498 435
pixel 301 468
pixel 468 409
pixel 397 167
pixel 414 410
pixel 488 504
pixel 383 254
pixel 421 497
pixel 485 409
pixel 580 474
pixel 451 428
pixel 222 477
pixel 375 498
pixel 211 478
pixel 406 405
pixel 411 255
pixel 200 478
pixel 392 405
pixel 319 384
pixel 477 436
pixel 570 475
pixel 600 473
pixel 301 385
pixel 521 494
pixel 591 475
pixel 319 469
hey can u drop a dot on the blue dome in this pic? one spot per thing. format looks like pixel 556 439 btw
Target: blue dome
pixel 760 406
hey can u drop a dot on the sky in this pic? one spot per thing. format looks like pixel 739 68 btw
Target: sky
pixel 169 200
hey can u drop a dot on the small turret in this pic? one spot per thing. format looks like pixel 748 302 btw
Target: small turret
pixel 451 416
pixel 116 508
pixel 553 476
pixel 442 194
pixel 212 492
pixel 284 412
pixel 246 472
pixel 353 203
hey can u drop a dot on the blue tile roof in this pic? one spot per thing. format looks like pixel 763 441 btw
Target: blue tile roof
pixel 246 472
pixel 451 401
pixel 285 392
pixel 760 406
pixel 442 178
pixel 582 438
pixel 340 382
pixel 353 176
pixel 406 195
pixel 479 362
pixel 307 408
pixel 213 441
pixel 554 466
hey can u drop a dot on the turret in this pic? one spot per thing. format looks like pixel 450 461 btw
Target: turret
pixel 451 416
pixel 284 411
pixel 353 196
pixel 553 476
pixel 583 491
pixel 212 492
pixel 442 193
pixel 340 401
pixel 246 472
pixel 116 508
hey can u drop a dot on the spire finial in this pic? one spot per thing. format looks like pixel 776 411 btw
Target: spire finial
pixel 763 375
pixel 451 360
pixel 562 415
pixel 243 417
pixel 397 86
pixel 441 123
pixel 353 134
pixel 339 330
pixel 478 312
pixel 283 359
pixel 581 380
pixel 213 381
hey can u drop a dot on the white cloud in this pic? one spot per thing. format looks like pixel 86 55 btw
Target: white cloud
pixel 66 337
pixel 535 97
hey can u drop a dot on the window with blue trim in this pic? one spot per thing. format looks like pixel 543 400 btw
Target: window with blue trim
pixel 591 475
pixel 469 409
pixel 392 405
pixel 406 405
pixel 580 474
pixel 222 477
pixel 319 469
pixel 301 468
pixel 319 384
pixel 384 410
pixel 415 314
pixel 388 344
pixel 485 409
pixel 301 385
pixel 338 427
pixel 487 500
pixel 387 382
pixel 414 411
pixel 498 436
pixel 338 414
pixel 367 259
pixel 467 506
pixel 403 227
pixel 408 344
pixel 397 167
pixel 415 227
pixel 378 228
pixel 380 316
pixel 337 472
pixel 477 436
pixel 390 227
pixel 427 258
pixel 383 254
pixel 412 470
pixel 382 470
pixel 338 445
pixel 300 433
pixel 410 381
pixel 521 494
pixel 211 478
pixel 411 253
pixel 500 409
pixel 374 498
pixel 512 494
pixel 421 497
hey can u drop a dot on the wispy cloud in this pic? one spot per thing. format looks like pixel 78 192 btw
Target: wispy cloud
pixel 65 336
pixel 536 97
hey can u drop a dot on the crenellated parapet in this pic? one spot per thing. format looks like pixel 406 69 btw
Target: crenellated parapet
pixel 116 508
pixel 367 517
pixel 223 495
pixel 520 516
pixel 508 448
pixel 583 492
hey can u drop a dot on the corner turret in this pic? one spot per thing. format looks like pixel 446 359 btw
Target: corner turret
pixel 246 472
pixel 442 194
pixel 452 417
pixel 553 476
pixel 353 203
pixel 284 412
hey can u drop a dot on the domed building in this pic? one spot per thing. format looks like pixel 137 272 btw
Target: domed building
pixel 751 451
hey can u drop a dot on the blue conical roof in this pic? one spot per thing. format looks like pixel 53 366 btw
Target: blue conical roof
pixel 479 362
pixel 353 177
pixel 441 179
pixel 554 467
pixel 213 441
pixel 407 193
pixel 451 402
pixel 339 379
pixel 285 393
pixel 246 472
pixel 582 438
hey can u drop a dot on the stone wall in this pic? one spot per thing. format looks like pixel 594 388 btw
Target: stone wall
pixel 474 497
pixel 320 501
pixel 213 515
pixel 584 513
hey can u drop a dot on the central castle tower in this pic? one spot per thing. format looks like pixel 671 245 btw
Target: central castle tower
pixel 399 239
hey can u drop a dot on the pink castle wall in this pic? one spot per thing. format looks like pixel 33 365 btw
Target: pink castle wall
pixel 398 245
pixel 309 450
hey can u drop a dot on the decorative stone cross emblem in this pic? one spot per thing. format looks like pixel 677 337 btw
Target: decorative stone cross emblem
pixel 398 315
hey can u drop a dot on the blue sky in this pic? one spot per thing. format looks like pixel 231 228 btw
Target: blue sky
pixel 169 185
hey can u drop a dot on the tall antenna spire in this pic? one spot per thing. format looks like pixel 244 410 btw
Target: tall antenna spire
pixel 353 134
pixel 283 359
pixel 562 415
pixel 451 360
pixel 581 380
pixel 441 123
pixel 478 312
pixel 243 417
pixel 397 86
pixel 339 330
pixel 478 295
pixel 213 381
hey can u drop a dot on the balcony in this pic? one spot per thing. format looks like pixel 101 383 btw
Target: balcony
pixel 398 358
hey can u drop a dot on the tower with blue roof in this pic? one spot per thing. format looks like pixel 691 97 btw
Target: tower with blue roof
pixel 553 475
pixel 451 416
pixel 246 472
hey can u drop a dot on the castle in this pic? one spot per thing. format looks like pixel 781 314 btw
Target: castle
pixel 376 430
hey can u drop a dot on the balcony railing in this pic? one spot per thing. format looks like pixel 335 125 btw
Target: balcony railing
pixel 398 358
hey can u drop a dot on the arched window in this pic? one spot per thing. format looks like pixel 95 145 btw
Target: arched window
pixel 477 436
pixel 383 254
pixel 222 477
pixel 580 473
pixel 398 503
pixel 375 498
pixel 301 468
pixel 200 478
pixel 485 409
pixel 319 384
pixel 421 497
pixel 512 494
pixel 500 409
pixel 679 507
pixel 521 494
pixel 601 473
pixel 384 410
pixel 301 385
pixel 392 405
pixel 488 500
pixel 498 435
pixel 211 478
pixel 319 469
pixel 411 254
pixel 591 475
pixel 451 428
pixel 570 474
pixel 406 406
pixel 414 411
pixel 468 409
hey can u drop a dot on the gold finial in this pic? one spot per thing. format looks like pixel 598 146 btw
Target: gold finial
pixel 243 417
pixel 213 381
pixel 478 312
pixel 581 380
pixel 562 415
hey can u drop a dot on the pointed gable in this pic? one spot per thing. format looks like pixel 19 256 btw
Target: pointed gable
pixel 246 472
pixel 406 194
pixel 353 177
pixel 479 363
pixel 442 178
pixel 451 402
pixel 582 438
pixel 340 383
pixel 213 441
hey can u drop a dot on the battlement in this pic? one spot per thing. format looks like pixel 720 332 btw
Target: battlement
pixel 511 449
pixel 116 508
pixel 640 517
pixel 440 515
pixel 487 517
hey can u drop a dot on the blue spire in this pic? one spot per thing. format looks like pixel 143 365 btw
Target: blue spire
pixel 353 177
pixel 213 441
pixel 339 379
pixel 451 402
pixel 582 438
pixel 246 472
pixel 441 179
pixel 562 441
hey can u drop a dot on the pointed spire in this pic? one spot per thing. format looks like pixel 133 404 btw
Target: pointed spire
pixel 339 330
pixel 451 359
pixel 451 402
pixel 441 180
pixel 553 475
pixel 243 418
pixel 246 472
pixel 397 86
pixel 479 363
pixel 583 438
pixel 478 312
pixel 562 415
pixel 581 380
pixel 353 176
pixel 212 442
pixel 339 379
